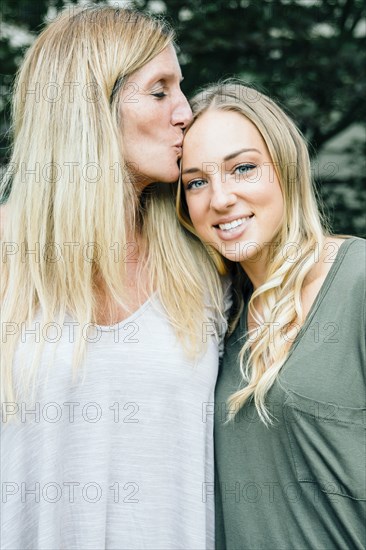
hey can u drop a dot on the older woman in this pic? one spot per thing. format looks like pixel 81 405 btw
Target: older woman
pixel 105 365
pixel 290 400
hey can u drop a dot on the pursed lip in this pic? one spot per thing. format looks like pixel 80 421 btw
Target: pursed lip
pixel 179 150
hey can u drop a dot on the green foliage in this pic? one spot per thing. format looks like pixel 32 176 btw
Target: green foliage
pixel 309 55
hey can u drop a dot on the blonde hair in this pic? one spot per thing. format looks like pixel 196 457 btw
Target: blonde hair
pixel 265 351
pixel 80 196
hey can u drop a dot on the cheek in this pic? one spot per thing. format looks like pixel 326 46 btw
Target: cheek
pixel 278 202
pixel 195 213
pixel 139 121
pixel 268 196
pixel 191 209
pixel 275 205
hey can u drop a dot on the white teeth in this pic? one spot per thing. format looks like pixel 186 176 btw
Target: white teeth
pixel 233 224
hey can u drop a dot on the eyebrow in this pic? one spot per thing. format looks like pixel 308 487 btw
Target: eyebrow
pixel 225 159
pixel 233 155
pixel 164 76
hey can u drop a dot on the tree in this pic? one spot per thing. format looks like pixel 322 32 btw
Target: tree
pixel 306 54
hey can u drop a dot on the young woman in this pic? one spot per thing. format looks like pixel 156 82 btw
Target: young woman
pixel 108 355
pixel 290 399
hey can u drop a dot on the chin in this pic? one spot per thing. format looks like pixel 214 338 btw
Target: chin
pixel 148 180
pixel 170 176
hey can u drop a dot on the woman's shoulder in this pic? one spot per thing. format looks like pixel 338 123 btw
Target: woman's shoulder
pixel 346 251
pixel 349 274
pixel 339 265
pixel 355 245
pixel 352 256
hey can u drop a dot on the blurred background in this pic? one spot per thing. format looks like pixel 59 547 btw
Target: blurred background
pixel 309 55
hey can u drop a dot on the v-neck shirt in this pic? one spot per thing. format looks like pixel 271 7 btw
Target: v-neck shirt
pixel 116 455
pixel 301 483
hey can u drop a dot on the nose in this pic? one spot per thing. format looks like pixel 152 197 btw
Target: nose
pixel 182 112
pixel 221 198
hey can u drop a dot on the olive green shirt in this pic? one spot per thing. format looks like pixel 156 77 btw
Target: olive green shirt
pixel 301 483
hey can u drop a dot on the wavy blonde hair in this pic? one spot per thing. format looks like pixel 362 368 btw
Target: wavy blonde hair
pixel 279 298
pixel 66 122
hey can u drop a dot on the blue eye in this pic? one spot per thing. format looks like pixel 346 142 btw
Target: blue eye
pixel 244 168
pixel 195 184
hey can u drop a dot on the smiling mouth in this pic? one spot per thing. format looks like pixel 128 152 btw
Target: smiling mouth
pixel 234 224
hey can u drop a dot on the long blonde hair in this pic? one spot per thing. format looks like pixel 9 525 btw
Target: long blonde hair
pixel 265 351
pixel 72 202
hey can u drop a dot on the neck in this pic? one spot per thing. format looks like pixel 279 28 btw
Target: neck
pixel 256 269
